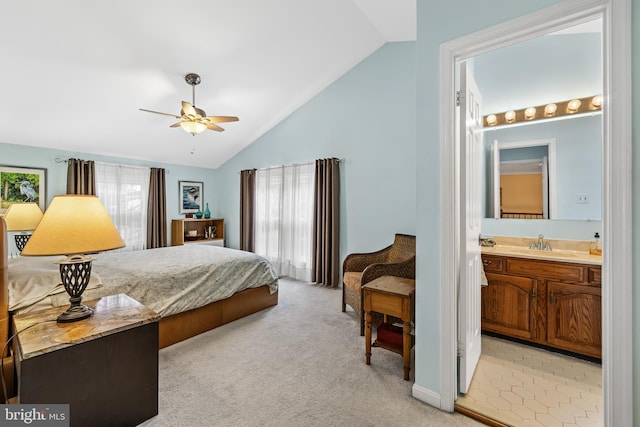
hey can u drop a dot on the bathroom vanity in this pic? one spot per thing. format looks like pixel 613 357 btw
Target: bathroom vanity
pixel 548 298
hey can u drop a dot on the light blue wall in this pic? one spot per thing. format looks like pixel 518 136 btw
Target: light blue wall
pixel 534 72
pixel 367 118
pixel 22 155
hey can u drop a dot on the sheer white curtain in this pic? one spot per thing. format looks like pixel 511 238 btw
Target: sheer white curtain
pixel 284 218
pixel 124 192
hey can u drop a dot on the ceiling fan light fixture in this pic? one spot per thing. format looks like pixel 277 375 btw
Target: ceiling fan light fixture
pixel 194 128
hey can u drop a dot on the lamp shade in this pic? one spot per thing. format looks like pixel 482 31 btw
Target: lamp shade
pixel 22 216
pixel 74 224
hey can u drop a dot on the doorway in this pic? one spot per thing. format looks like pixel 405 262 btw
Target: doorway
pixel 616 184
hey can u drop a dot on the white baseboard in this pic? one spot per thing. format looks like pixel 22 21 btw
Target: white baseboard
pixel 427 396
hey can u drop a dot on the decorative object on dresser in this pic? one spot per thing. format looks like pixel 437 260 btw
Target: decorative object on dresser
pixel 194 230
pixel 397 259
pixel 74 225
pixel 22 217
pixel 105 369
pixel 550 303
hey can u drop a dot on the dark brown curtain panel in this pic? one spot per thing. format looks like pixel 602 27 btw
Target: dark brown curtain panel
pixel 325 266
pixel 81 177
pixel 157 210
pixel 247 210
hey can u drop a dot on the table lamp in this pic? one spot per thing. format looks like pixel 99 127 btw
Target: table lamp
pixel 74 225
pixel 22 217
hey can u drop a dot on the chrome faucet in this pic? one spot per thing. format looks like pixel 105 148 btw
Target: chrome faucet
pixel 540 244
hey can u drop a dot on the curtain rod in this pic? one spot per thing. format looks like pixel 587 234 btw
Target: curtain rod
pixel 342 160
pixel 59 160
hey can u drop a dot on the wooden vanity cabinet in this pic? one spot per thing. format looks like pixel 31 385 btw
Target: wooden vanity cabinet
pixel 574 317
pixel 552 303
pixel 517 293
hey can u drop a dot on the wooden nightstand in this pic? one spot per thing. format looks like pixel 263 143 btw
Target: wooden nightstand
pixel 393 296
pixel 105 367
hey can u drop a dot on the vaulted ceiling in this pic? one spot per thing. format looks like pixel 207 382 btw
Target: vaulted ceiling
pixel 75 73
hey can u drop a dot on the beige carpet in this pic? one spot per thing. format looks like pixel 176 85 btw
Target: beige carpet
pixel 300 363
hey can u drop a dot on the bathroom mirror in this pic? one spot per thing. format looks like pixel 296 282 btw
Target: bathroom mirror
pixel 552 178
pixel 551 68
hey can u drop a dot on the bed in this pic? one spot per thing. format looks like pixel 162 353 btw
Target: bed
pixel 193 287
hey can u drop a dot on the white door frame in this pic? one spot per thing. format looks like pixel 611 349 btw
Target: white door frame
pixel 616 179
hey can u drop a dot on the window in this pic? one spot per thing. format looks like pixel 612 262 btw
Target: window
pixel 284 218
pixel 124 192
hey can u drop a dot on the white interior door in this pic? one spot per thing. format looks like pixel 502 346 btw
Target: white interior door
pixel 469 339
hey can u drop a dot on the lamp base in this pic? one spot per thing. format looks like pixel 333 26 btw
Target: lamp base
pixel 75 272
pixel 21 240
pixel 74 313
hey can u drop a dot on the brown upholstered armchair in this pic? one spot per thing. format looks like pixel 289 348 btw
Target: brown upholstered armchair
pixel 398 259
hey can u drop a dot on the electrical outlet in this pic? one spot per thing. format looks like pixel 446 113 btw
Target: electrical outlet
pixel 582 199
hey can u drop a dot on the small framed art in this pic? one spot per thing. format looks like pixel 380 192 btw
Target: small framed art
pixel 22 184
pixel 190 196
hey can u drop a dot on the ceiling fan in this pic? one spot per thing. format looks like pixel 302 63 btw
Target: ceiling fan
pixel 193 119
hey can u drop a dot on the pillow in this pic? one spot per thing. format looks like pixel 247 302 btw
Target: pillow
pixel 32 279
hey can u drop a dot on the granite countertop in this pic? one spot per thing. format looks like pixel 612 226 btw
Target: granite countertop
pixel 562 250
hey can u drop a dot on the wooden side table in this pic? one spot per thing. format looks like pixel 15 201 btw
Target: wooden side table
pixel 391 296
pixel 105 367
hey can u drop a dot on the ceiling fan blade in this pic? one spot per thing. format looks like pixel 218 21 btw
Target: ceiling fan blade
pixel 158 112
pixel 214 127
pixel 221 119
pixel 188 109
pixel 175 125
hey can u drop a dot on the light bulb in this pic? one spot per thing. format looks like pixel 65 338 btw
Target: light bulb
pixel 573 105
pixel 596 102
pixel 510 116
pixel 550 110
pixel 492 120
pixel 530 113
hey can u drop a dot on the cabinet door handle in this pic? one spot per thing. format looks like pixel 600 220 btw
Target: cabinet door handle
pixel 552 298
pixel 486 262
pixel 533 294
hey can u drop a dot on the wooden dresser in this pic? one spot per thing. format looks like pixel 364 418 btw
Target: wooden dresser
pixel 557 304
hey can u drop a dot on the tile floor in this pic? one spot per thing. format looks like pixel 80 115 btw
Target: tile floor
pixel 520 385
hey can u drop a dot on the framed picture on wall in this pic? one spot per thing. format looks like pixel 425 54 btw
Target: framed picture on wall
pixel 22 184
pixel 190 196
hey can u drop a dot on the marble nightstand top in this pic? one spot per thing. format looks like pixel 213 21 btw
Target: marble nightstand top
pixel 112 314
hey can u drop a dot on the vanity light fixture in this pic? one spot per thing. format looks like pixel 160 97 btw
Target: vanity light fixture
pixel 590 104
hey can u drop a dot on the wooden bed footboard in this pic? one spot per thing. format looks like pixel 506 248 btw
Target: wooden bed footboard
pixel 179 327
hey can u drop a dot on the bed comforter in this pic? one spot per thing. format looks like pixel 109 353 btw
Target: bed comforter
pixel 169 280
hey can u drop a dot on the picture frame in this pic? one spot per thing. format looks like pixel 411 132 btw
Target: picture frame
pixel 190 196
pixel 22 184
